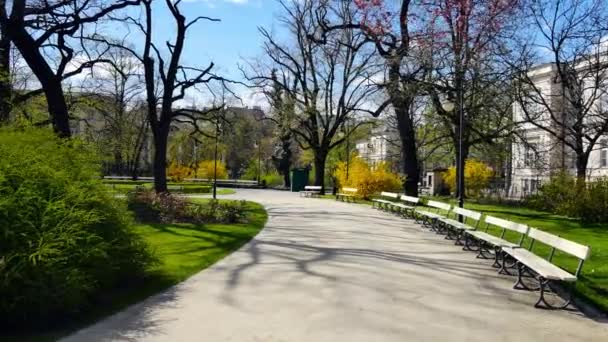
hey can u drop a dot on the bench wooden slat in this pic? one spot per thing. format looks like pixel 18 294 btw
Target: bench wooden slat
pixel 570 247
pixel 410 199
pixel 541 266
pixel 468 213
pixel 509 225
pixel 389 194
pixel 439 205
pixel 491 239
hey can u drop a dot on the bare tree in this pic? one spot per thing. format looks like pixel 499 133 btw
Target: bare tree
pixel 572 106
pixel 329 81
pixel 48 35
pixel 388 26
pixel 167 81
pixel 116 91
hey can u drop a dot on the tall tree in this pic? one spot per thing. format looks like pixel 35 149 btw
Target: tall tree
pixel 572 107
pixel 115 90
pixel 388 26
pixel 328 81
pixel 282 112
pixel 49 36
pixel 167 80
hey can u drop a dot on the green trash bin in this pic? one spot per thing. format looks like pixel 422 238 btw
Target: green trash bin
pixel 299 179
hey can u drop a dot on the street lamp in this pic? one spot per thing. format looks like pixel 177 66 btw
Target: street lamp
pixel 217 137
pixel 258 144
pixel 449 106
pixel 347 147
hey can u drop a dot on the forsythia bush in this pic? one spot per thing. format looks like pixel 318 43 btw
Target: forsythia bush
pixel 177 173
pixel 368 181
pixel 205 170
pixel 477 177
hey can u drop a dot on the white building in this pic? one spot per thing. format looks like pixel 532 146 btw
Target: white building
pixel 538 154
pixel 375 149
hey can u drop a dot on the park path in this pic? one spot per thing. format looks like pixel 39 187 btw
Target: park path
pixel 323 270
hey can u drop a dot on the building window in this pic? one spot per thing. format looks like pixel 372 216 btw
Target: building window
pixel 530 157
pixel 604 153
pixel 525 185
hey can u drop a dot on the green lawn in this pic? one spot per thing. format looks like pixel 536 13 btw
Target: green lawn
pixel 593 283
pixel 183 250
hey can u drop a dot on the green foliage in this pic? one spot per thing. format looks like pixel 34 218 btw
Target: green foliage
pixel 65 239
pixel 273 179
pixel 568 196
pixel 477 176
pixel 367 180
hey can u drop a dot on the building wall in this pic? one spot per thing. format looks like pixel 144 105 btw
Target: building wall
pixel 536 154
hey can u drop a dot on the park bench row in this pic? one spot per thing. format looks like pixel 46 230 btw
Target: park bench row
pixel 464 226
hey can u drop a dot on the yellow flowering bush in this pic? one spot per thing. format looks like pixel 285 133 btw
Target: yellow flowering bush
pixel 205 168
pixel 367 180
pixel 177 173
pixel 477 176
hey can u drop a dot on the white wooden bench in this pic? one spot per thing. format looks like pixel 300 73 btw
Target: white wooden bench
pixel 470 221
pixel 488 241
pixel 386 204
pixel 543 270
pixel 408 205
pixel 429 216
pixel 311 191
pixel 347 194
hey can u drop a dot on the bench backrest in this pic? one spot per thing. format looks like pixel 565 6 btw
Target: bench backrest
pixel 349 189
pixel 556 242
pixel 312 187
pixel 389 194
pixel 410 199
pixel 467 213
pixel 507 225
pixel 439 205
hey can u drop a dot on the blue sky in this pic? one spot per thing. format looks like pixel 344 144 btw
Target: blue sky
pixel 227 42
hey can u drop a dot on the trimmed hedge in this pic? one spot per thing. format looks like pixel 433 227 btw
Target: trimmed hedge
pixel 65 239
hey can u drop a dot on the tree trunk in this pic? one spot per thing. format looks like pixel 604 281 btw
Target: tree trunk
pixel 408 150
pixel 51 84
pixel 161 136
pixel 286 179
pixel 319 162
pixel 402 102
pixel 5 79
pixel 582 159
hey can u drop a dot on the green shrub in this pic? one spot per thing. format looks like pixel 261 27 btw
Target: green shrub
pixel 273 179
pixel 65 239
pixel 564 195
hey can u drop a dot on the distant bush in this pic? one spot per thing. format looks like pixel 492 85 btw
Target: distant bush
pixel 152 207
pixel 177 173
pixel 273 179
pixel 477 176
pixel 207 169
pixel 65 238
pixel 366 179
pixel 564 195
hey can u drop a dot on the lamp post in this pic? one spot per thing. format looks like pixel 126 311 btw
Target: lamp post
pixel 347 148
pixel 460 163
pixel 258 144
pixel 217 137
